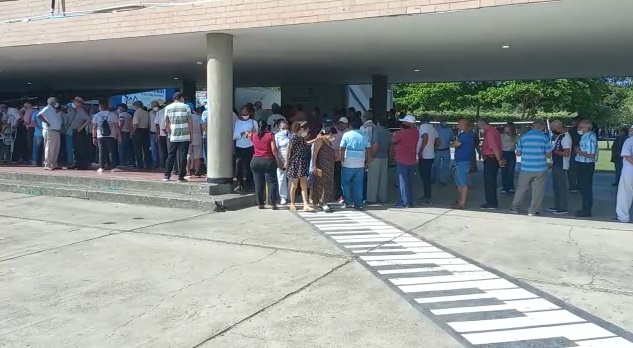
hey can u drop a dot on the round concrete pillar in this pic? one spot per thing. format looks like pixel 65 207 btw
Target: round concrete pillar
pixel 220 109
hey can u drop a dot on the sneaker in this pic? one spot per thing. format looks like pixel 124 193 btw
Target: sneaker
pixel 345 206
pixel 552 210
pixel 560 212
pixel 534 214
pixel 581 213
pixel 512 191
pixel 283 201
pixel 116 170
pixel 100 170
pixel 166 178
pixel 487 206
pixel 359 208
pixel 341 200
pixel 182 180
pixel 514 211
pixel 573 190
pixel 400 206
pixel 442 184
pixel 326 208
pixel 504 192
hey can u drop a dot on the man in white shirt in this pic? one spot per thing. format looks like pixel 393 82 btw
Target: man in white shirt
pixel 428 142
pixel 561 153
pixel 52 125
pixel 276 116
pixel 105 133
pixel 625 187
pixel 126 149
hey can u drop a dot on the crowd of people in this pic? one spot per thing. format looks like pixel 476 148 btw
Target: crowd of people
pixel 342 157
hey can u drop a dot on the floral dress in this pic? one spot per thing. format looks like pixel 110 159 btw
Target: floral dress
pixel 323 186
pixel 298 160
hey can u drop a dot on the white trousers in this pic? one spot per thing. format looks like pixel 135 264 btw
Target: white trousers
pixel 282 181
pixel 625 197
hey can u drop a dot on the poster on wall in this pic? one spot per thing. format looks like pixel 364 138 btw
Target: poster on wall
pixel 145 97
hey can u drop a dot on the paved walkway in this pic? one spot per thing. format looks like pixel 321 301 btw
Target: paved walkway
pixel 78 273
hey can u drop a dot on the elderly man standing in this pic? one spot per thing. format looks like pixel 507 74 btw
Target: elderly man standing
pixel 625 186
pixel 442 164
pixel 586 158
pixel 52 125
pixel 561 153
pixel 140 135
pixel 491 152
pixel 80 138
pixel 534 148
pixel 405 150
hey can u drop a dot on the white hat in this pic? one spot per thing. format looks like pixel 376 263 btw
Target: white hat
pixel 343 120
pixel 408 119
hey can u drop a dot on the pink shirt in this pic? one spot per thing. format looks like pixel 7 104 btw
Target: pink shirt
pixel 262 145
pixel 28 122
pixel 492 140
pixel 405 146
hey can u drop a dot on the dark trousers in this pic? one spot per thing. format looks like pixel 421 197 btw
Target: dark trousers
pixel 140 140
pixel 559 183
pixel 126 149
pixel 572 173
pixel 106 153
pixel 81 150
pixel 243 171
pixel 265 172
pixel 584 174
pixel 507 172
pixel 338 189
pixel 425 166
pixel 30 132
pixel 491 169
pixel 162 151
pixel 177 153
pixel 618 169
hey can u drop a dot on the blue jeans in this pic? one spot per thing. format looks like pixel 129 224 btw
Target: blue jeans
pixel 441 165
pixel 405 175
pixel 125 149
pixel 352 182
pixel 68 143
pixel 153 144
pixel 507 172
pixel 38 141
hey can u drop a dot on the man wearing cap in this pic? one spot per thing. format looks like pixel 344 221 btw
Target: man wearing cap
pixel 125 147
pixel 586 158
pixel 81 141
pixel 405 150
pixel 140 135
pixel 342 126
pixel 427 144
pixel 534 148
pixel 625 186
pixel 52 125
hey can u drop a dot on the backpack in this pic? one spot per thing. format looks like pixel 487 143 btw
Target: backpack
pixel 105 127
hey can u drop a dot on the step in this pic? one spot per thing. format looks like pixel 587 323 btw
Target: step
pixel 110 181
pixel 118 195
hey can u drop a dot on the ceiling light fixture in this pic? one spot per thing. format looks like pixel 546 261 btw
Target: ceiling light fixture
pixel 416 70
pixel 29 83
pixel 199 63
pixel 505 46
pixel 175 78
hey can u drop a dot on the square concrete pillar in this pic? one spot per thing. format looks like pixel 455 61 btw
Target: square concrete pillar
pixel 379 95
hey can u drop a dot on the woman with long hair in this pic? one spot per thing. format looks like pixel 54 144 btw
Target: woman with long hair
pixel 323 158
pixel 244 150
pixel 297 165
pixel 264 165
pixel 509 141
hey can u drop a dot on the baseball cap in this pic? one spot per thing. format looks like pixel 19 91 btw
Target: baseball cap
pixel 408 119
pixel 78 99
pixel 343 120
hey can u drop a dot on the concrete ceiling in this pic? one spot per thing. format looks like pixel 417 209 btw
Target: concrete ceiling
pixel 569 38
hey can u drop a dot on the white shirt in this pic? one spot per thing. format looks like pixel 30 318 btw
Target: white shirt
pixel 242 126
pixel 428 152
pixel 160 121
pixel 566 144
pixel 282 140
pixel 627 150
pixel 272 119
pixel 50 114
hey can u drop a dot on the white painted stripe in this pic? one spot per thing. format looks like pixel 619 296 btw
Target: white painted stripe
pixel 503 295
pixel 409 244
pixel 331 226
pixel 492 284
pixel 353 232
pixel 356 227
pixel 531 319
pixel 354 246
pixel 439 262
pixel 450 268
pixel 377 239
pixel 615 342
pixel 359 237
pixel 459 277
pixel 439 255
pixel 413 250
pixel 536 304
pixel 571 332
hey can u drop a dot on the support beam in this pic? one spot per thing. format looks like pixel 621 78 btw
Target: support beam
pixel 379 95
pixel 220 101
pixel 188 88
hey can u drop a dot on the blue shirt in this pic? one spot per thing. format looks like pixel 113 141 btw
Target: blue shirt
pixel 464 152
pixel 588 144
pixel 445 134
pixel 38 125
pixel 355 145
pixel 533 147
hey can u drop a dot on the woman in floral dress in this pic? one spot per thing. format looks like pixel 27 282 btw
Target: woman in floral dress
pixel 323 158
pixel 297 166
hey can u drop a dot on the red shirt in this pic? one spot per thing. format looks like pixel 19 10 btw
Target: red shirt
pixel 492 140
pixel 262 145
pixel 405 146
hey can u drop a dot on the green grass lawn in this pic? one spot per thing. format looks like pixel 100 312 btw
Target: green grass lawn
pixel 604 159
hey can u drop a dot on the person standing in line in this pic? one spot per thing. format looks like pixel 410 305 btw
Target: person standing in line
pixel 586 158
pixel 161 134
pixel 244 148
pixel 322 167
pixel 378 172
pixel 67 136
pixel 259 113
pixel 342 126
pixel 297 166
pixel 38 139
pixel 62 157
pixel 27 110
pixel 126 149
pixel 355 157
pixel 491 152
pixel 105 134
pixel 509 141
pixel 534 148
pixel 195 147
pixel 140 135
pixel 274 118
pixel 153 135
pixel 442 162
pixel 464 148
pixel 179 127
pixel 616 150
pixel 560 165
pixel 405 152
pixel 572 173
pixel 264 165
pixel 52 125
pixel 80 139
pixel 427 144
pixel 625 186
pixel 282 140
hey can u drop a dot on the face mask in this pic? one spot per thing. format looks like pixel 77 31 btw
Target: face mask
pixel 284 131
pixel 331 138
pixel 245 117
pixel 581 132
pixel 156 108
pixel 56 105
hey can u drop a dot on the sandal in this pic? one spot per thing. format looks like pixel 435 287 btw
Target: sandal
pixel 309 210
pixel 292 207
pixel 457 206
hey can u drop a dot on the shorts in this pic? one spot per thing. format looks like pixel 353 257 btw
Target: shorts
pixel 461 173
pixel 195 151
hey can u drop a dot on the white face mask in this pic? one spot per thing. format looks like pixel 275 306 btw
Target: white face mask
pixel 56 105
pixel 156 108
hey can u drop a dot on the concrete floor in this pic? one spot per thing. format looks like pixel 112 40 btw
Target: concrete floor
pixel 77 273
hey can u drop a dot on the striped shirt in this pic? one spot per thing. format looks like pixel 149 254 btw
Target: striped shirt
pixel 588 144
pixel 533 147
pixel 179 115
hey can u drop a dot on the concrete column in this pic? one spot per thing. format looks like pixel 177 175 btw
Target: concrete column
pixel 188 87
pixel 379 91
pixel 220 101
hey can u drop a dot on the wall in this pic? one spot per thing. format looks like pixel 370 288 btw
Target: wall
pixel 326 97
